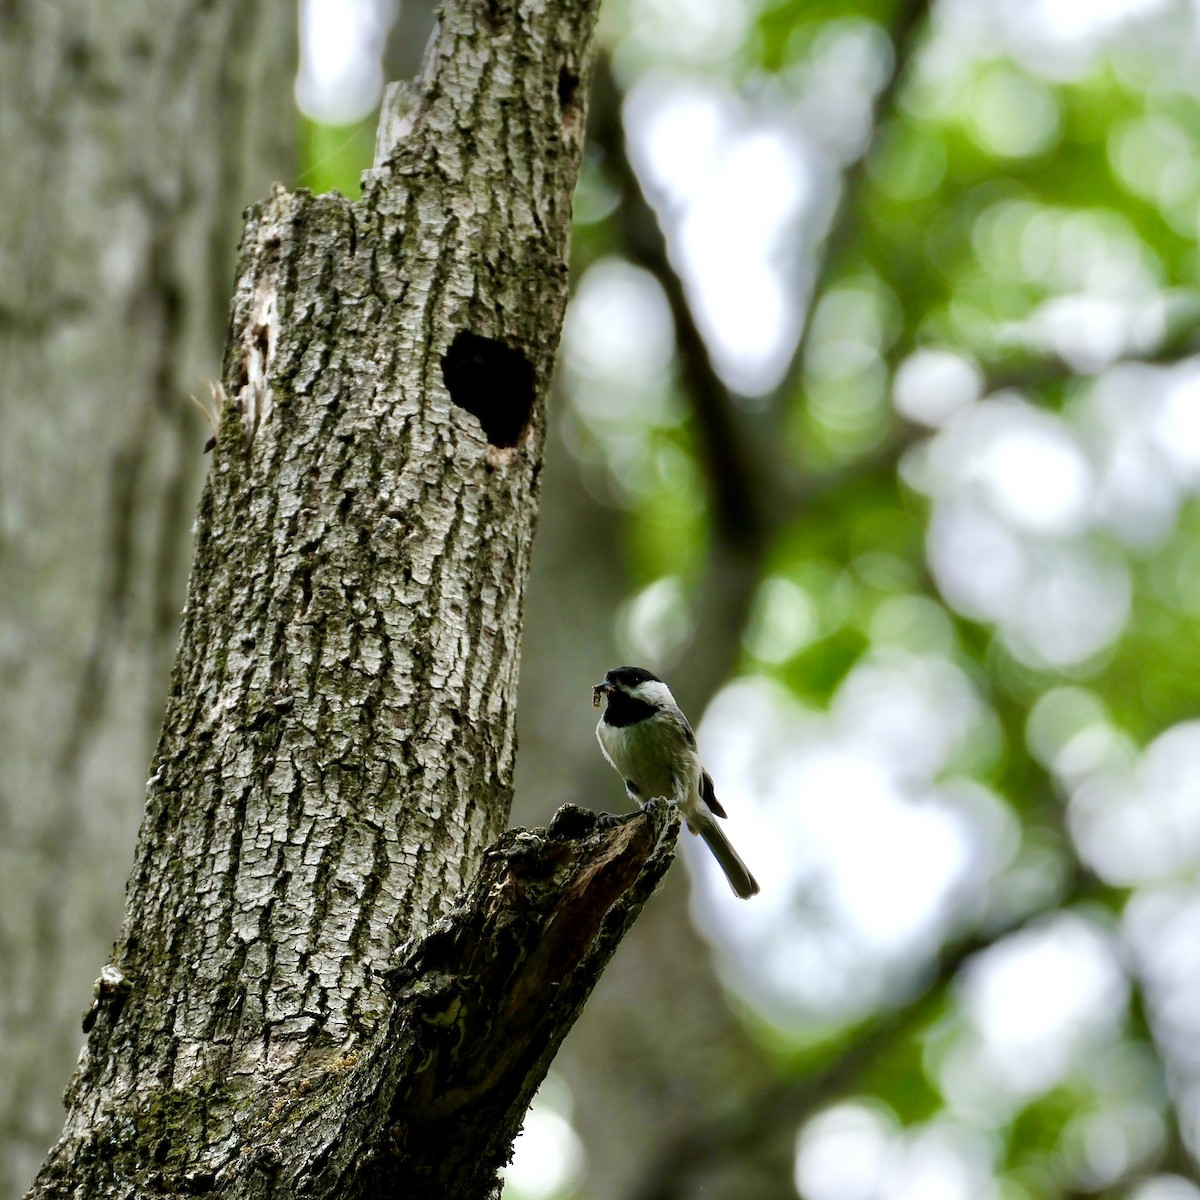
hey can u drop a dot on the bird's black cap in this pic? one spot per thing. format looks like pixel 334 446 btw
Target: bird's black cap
pixel 630 677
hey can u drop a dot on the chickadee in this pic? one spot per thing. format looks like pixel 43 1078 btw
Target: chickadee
pixel 648 740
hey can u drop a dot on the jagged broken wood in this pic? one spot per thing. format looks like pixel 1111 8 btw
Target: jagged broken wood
pixel 483 1001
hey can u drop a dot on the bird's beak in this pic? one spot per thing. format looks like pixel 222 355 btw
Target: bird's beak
pixel 601 689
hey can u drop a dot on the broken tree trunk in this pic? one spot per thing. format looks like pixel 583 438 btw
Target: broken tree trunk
pixel 323 985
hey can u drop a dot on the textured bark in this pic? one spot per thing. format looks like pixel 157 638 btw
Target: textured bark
pixel 338 748
pixel 132 136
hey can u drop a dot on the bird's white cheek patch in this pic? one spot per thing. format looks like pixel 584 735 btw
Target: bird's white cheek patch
pixel 655 692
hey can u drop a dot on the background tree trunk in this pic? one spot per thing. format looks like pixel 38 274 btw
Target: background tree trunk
pixel 131 135
pixel 339 744
pixel 657 1052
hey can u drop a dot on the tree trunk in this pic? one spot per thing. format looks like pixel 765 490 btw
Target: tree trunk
pixel 285 1014
pixel 131 138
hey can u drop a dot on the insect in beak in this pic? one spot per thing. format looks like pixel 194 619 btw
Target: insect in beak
pixel 601 689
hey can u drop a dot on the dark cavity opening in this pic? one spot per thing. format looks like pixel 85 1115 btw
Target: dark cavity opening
pixel 568 85
pixel 493 382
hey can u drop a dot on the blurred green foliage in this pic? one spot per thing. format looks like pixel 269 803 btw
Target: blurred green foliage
pixel 333 157
pixel 1009 195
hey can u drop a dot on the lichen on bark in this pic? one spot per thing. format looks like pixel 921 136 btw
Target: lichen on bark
pixel 338 747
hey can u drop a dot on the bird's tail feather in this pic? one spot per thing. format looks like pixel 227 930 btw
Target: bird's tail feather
pixel 743 883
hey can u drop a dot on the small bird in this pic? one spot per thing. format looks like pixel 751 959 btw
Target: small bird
pixel 648 740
